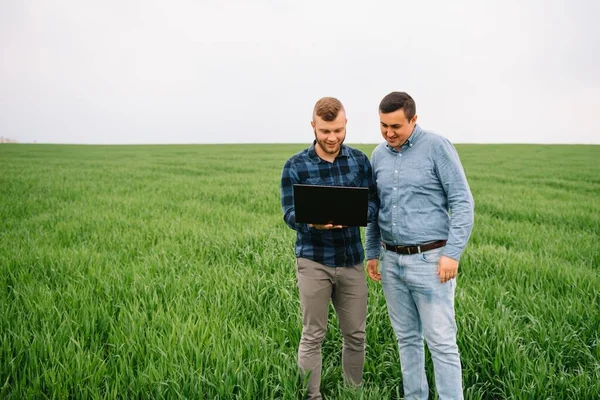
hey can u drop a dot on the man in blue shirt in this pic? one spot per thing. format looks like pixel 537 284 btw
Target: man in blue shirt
pixel 329 258
pixel 424 223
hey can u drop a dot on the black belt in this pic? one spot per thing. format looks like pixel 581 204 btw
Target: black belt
pixel 414 249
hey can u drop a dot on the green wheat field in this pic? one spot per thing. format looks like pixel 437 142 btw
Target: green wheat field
pixel 168 272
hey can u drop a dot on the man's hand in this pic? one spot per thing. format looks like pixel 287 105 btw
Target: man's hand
pixel 326 226
pixel 447 268
pixel 373 270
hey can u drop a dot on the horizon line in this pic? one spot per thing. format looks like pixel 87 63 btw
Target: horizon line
pixel 284 143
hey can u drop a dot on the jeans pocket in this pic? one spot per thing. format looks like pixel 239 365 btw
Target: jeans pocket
pixel 432 256
pixel 382 251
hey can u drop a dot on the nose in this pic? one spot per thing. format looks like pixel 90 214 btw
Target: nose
pixel 390 132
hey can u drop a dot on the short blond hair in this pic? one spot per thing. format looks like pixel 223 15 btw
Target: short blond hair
pixel 328 108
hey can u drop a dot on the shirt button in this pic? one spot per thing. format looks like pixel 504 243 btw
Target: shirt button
pixel 396 171
pixel 394 206
pixel 394 188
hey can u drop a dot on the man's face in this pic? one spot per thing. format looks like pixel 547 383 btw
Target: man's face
pixel 330 134
pixel 395 128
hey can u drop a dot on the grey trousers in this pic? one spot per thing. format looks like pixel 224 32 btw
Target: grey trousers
pixel 346 287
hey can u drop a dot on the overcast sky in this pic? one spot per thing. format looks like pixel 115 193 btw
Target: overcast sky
pixel 225 71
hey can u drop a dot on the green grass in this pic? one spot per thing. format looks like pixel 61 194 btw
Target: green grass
pixel 168 272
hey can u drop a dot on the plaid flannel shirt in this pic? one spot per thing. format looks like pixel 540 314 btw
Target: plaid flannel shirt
pixel 337 247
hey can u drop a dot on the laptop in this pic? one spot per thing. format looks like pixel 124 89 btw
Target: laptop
pixel 337 205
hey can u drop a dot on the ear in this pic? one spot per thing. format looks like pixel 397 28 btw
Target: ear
pixel 312 123
pixel 414 119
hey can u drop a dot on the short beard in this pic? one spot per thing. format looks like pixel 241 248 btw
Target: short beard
pixel 339 148
pixel 326 150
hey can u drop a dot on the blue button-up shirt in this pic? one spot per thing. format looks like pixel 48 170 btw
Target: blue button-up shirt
pixel 424 195
pixel 351 167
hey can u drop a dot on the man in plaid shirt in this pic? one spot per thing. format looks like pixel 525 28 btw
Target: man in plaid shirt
pixel 329 258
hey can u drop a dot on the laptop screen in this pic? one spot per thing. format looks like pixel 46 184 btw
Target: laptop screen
pixel 337 205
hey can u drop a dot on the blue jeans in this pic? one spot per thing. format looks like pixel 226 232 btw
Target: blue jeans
pixel 420 307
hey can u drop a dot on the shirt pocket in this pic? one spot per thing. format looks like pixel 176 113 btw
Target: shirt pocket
pixel 417 174
pixel 418 166
pixel 352 179
pixel 315 181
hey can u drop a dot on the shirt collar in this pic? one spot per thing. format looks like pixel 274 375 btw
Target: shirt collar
pixel 314 157
pixel 412 139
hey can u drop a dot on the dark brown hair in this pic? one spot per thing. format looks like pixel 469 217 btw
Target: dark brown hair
pixel 397 100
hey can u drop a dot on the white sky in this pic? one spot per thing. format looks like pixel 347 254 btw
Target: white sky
pixel 224 71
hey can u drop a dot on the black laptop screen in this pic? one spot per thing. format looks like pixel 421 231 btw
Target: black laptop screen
pixel 337 205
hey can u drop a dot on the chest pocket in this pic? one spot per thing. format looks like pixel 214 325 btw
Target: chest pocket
pixel 417 174
pixel 351 179
pixel 316 181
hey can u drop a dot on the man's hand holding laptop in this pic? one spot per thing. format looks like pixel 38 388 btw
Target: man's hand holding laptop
pixel 326 226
